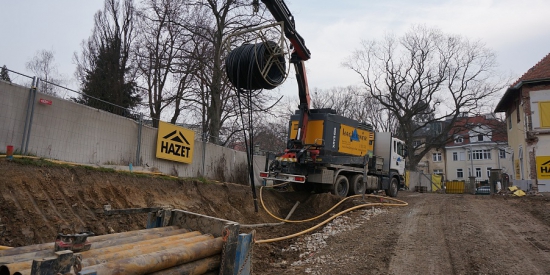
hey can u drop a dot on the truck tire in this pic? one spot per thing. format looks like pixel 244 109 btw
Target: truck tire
pixel 340 187
pixel 357 186
pixel 393 189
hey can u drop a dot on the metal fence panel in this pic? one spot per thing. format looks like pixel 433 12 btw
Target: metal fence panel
pixel 12 115
pixel 69 131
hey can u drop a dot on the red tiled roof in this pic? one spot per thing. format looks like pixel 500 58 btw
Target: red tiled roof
pixel 540 71
pixel 462 127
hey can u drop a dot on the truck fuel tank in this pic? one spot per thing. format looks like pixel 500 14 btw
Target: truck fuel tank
pixel 339 135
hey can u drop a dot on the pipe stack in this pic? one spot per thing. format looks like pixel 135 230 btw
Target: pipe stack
pixel 164 250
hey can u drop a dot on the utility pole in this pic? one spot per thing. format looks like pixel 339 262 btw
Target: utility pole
pixel 471 161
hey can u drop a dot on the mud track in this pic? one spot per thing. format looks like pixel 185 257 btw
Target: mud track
pixel 435 234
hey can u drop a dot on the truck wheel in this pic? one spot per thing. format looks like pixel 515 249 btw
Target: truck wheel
pixel 393 189
pixel 341 186
pixel 357 185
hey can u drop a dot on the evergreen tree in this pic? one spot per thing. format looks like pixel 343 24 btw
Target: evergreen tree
pixel 107 81
pixel 4 74
pixel 103 67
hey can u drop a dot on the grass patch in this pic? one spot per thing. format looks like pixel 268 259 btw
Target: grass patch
pixel 40 162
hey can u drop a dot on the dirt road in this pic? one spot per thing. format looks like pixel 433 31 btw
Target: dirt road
pixel 435 234
pixel 441 234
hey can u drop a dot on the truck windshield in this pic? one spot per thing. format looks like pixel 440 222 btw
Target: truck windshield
pixel 400 148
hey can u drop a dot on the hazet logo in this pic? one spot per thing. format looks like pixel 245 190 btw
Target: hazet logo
pixel 176 145
pixel 543 167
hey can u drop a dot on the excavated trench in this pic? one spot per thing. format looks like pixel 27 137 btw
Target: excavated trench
pixel 40 200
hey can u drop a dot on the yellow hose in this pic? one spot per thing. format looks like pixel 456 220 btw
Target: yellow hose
pixel 399 203
pixel 326 212
pixel 4 247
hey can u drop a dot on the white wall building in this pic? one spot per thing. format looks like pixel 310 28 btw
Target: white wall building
pixel 478 149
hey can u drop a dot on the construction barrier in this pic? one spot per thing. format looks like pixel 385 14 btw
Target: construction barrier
pixel 455 187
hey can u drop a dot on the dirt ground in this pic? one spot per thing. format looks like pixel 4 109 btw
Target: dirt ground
pixel 434 234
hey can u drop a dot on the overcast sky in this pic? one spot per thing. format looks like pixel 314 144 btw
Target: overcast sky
pixel 518 31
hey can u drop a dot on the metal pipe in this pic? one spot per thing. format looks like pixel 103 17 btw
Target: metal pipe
pixel 33 103
pixel 272 224
pixel 138 150
pixel 207 265
pixel 138 238
pixel 50 246
pixel 156 261
pixel 146 249
pixel 27 115
pixel 111 249
pixel 197 267
pixel 95 245
pixel 97 256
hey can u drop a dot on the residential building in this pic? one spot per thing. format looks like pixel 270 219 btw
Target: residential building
pixel 478 145
pixel 527 107
pixel 433 162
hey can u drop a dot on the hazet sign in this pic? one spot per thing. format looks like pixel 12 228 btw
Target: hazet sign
pixel 175 143
pixel 543 168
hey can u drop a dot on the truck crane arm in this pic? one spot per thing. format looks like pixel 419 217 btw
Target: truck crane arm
pixel 300 53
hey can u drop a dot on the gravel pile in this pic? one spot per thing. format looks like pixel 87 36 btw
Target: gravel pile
pixel 308 245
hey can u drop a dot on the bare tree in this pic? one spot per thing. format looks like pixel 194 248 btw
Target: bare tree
pixel 427 78
pixel 213 22
pixel 162 56
pixel 354 102
pixel 43 66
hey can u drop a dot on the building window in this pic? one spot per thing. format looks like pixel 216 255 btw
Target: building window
pixel 480 137
pixel 438 171
pixel 436 157
pixel 459 139
pixel 510 120
pixel 502 153
pixel 416 143
pixel 458 156
pixel 459 173
pixel 489 172
pixel 481 154
pixel 478 172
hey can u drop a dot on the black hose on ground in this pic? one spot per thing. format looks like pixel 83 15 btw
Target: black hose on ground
pixel 244 66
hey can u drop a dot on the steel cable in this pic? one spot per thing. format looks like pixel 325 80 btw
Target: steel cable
pixel 256 66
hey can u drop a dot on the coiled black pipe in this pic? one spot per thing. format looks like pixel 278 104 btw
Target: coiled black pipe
pixel 244 64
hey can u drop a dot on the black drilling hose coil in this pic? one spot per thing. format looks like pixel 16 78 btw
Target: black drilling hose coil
pixel 244 65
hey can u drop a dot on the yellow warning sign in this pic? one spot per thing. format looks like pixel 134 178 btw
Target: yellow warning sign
pixel 175 143
pixel 543 167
